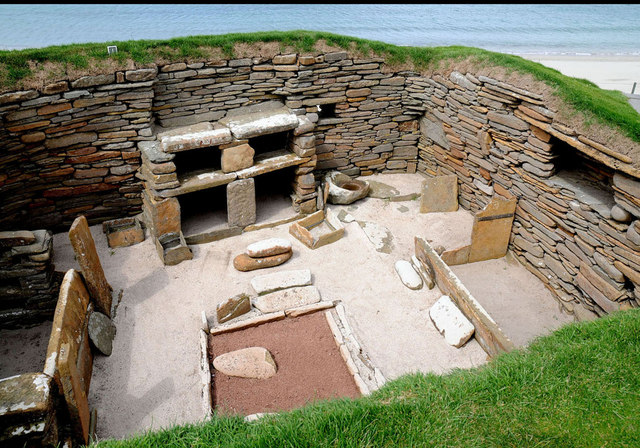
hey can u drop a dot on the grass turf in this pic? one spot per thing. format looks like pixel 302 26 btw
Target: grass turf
pixel 578 387
pixel 608 107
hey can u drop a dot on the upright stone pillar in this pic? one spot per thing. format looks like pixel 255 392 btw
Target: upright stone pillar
pixel 241 203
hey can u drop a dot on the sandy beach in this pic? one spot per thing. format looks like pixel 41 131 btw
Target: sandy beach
pixel 607 72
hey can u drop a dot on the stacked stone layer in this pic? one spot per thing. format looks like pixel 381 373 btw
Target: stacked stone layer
pixel 72 147
pixel 28 283
pixel 573 228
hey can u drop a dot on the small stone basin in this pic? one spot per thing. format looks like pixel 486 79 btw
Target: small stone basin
pixel 343 190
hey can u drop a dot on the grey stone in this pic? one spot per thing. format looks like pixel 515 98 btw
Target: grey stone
pixel 633 235
pixel 102 331
pixel 195 140
pixel 433 130
pixel 620 214
pixel 461 80
pixel 261 123
pixel 241 203
pixel 626 184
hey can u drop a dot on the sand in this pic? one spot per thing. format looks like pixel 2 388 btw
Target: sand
pixel 151 380
pixel 607 72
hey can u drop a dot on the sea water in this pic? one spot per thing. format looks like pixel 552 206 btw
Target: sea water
pixel 509 28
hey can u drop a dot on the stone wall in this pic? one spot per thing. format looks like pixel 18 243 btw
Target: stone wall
pixel 28 283
pixel 71 148
pixel 362 126
pixel 576 220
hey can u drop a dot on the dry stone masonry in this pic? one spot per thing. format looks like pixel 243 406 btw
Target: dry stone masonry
pixel 114 145
pixel 28 283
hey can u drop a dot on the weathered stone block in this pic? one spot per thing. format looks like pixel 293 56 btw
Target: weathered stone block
pixel 164 215
pixel 451 322
pixel 241 203
pixel 233 307
pixel 264 284
pixel 173 249
pixel 251 362
pixel 17 238
pixel 123 232
pixel 237 158
pixel 439 194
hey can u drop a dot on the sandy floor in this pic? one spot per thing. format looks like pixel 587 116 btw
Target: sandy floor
pixel 513 297
pixel 607 72
pixel 24 350
pixel 151 380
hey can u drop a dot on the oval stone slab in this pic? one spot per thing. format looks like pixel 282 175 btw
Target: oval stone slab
pixel 244 262
pixel 251 362
pixel 408 275
pixel 269 247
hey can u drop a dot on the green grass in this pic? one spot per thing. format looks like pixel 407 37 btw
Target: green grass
pixel 608 107
pixel 579 387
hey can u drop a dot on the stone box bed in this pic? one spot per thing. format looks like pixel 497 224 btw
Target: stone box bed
pixel 310 367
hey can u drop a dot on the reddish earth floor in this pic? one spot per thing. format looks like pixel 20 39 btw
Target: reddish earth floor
pixel 309 363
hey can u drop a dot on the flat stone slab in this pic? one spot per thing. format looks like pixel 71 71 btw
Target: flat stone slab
pixel 87 256
pixel 16 238
pixel 450 322
pixel 251 362
pixel 269 247
pixel 380 236
pixel 380 190
pixel 101 332
pixel 408 275
pixel 264 284
pixel 287 298
pixel 261 123
pixel 439 194
pixel 201 139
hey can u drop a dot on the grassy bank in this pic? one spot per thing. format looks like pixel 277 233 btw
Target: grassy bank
pixel 606 106
pixel 578 387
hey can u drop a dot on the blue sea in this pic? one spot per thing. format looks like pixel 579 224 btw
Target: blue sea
pixel 510 28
